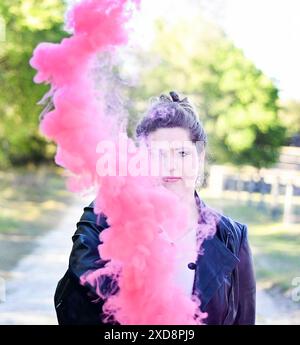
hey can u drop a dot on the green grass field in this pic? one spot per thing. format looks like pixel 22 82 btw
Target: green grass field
pixel 31 200
pixel 31 203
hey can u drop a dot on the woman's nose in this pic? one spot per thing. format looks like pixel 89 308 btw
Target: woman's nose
pixel 170 165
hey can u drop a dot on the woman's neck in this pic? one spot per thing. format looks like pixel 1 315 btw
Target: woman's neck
pixel 193 211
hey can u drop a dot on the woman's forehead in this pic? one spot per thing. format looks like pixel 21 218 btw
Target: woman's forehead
pixel 170 139
pixel 170 134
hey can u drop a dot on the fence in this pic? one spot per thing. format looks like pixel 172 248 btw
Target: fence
pixel 278 188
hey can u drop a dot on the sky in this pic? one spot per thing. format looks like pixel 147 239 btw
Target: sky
pixel 268 31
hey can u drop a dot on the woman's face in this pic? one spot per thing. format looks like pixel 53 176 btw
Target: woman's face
pixel 177 159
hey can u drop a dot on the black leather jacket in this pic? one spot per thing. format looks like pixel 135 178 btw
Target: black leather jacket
pixel 224 275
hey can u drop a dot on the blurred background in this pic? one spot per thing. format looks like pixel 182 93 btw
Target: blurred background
pixel 238 61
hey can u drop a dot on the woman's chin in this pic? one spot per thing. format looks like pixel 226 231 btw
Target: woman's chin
pixel 175 187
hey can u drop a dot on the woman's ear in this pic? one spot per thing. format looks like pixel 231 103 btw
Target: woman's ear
pixel 200 177
pixel 202 157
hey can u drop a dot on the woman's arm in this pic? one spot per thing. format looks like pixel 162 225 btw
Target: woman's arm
pixel 247 284
pixel 76 303
pixel 85 255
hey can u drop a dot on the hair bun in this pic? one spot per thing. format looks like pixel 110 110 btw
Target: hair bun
pixel 174 96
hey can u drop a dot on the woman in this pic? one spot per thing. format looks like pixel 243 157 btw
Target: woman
pixel 223 277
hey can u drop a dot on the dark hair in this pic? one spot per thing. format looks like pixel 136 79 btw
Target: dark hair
pixel 167 112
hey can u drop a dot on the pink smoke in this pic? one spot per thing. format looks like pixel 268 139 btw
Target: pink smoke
pixel 141 260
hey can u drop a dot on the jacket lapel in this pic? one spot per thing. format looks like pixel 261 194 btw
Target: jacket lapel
pixel 212 267
pixel 216 262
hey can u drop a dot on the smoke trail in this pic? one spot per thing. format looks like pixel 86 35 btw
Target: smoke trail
pixel 140 260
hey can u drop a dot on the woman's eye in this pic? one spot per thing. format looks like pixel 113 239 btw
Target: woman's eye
pixel 183 153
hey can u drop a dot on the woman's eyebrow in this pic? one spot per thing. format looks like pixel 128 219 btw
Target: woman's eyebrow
pixel 182 148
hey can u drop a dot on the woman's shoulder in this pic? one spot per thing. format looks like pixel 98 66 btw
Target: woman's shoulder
pixel 226 225
pixel 229 230
pixel 231 224
pixel 90 216
pixel 232 230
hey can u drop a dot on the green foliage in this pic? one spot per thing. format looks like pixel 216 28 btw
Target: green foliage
pixel 290 116
pixel 237 103
pixel 27 23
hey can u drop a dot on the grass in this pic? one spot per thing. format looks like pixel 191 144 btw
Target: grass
pixel 31 202
pixel 275 245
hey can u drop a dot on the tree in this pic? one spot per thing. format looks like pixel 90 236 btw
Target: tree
pixel 27 22
pixel 237 103
pixel 290 116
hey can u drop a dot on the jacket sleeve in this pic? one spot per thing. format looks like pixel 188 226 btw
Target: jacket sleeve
pixel 76 303
pixel 247 285
pixel 85 255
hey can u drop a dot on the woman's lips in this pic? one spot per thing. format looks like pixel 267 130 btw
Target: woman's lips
pixel 171 179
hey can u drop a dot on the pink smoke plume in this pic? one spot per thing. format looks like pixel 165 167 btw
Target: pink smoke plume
pixel 137 208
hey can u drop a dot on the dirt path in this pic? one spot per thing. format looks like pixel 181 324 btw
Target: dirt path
pixel 276 310
pixel 30 290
